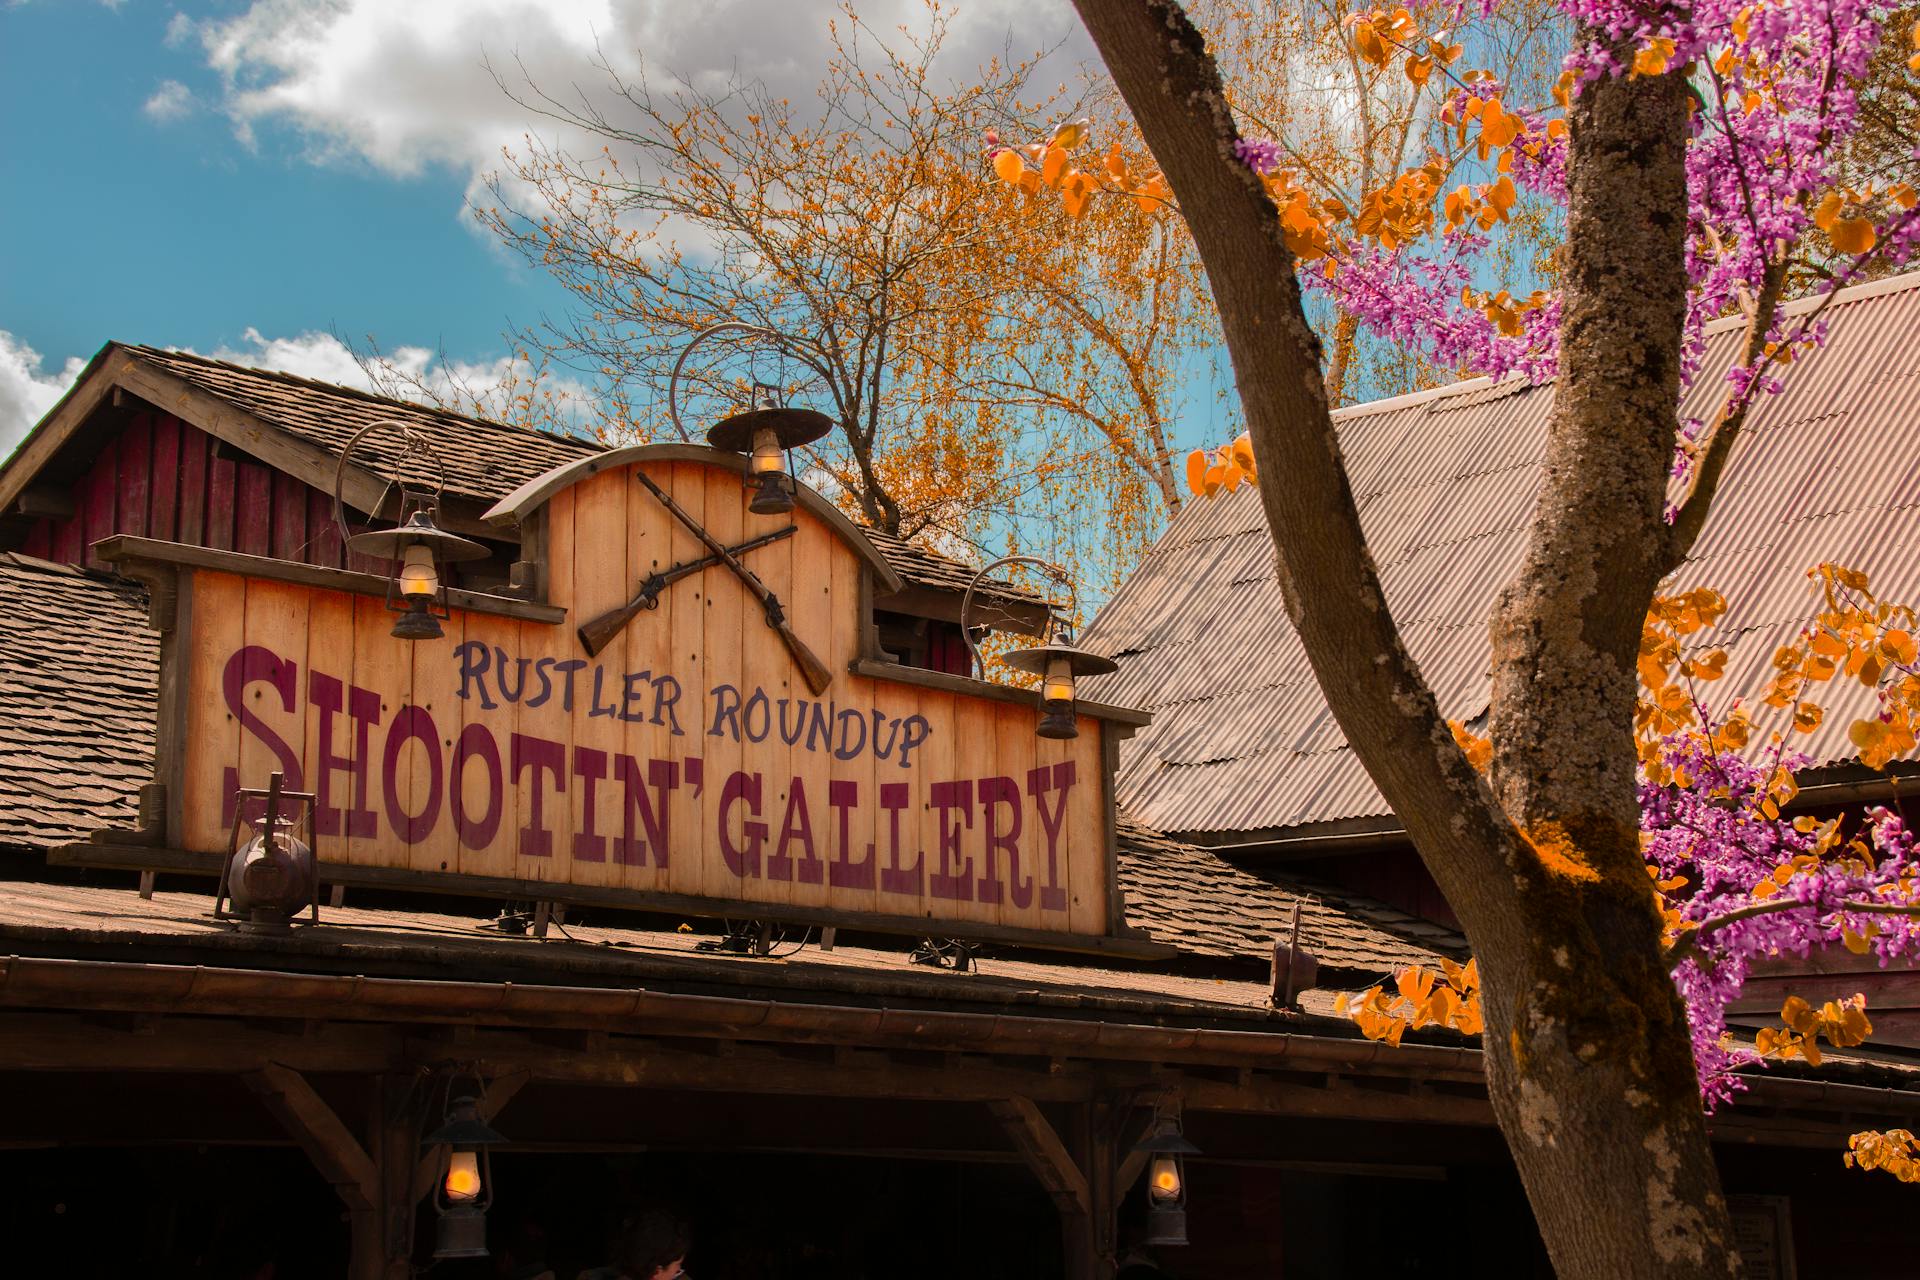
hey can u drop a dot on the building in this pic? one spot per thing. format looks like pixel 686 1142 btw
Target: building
pixel 538 901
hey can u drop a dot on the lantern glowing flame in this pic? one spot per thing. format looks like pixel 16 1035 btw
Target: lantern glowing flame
pixel 766 451
pixel 418 577
pixel 1164 1181
pixel 463 1176
pixel 1058 686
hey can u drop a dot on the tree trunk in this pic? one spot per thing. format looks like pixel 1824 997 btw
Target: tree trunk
pixel 1589 1065
pixel 1588 1057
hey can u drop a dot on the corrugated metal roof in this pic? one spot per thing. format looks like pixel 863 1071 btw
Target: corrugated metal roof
pixel 1242 740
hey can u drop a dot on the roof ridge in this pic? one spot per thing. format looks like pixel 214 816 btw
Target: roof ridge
pixel 339 388
pixel 1851 293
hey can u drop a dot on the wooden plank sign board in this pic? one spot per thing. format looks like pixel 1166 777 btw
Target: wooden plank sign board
pixel 687 760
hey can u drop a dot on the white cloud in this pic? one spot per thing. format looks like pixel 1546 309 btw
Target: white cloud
pixel 320 356
pixel 26 393
pixel 180 30
pixel 406 86
pixel 169 102
pixel 479 387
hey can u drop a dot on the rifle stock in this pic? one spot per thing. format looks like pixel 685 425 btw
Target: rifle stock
pixel 814 671
pixel 597 633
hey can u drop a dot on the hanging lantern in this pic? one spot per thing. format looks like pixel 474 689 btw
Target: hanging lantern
pixel 767 433
pixel 1056 661
pixel 465 1188
pixel 1166 1150
pixel 1059 664
pixel 415 591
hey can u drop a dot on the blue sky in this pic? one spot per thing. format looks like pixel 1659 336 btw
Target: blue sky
pixel 164 228
pixel 241 177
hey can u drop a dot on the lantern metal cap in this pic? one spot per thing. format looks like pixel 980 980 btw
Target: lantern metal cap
pixel 419 530
pixel 791 427
pixel 1165 1139
pixel 1035 660
pixel 465 1128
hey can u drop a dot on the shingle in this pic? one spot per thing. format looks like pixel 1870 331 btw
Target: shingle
pixel 1207 906
pixel 79 676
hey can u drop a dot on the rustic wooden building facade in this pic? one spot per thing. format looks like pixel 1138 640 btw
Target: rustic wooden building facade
pixel 181 1098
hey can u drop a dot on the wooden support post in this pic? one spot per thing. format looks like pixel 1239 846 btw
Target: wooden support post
pixel 146 884
pixel 1100 1161
pixel 372 1181
pixel 1062 1176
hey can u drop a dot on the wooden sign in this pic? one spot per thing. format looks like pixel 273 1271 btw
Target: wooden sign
pixel 686 765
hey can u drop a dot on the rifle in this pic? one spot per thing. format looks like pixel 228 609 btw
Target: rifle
pixel 817 676
pixel 597 633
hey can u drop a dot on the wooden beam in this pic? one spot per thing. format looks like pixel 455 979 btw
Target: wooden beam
pixel 1044 1153
pixel 917 676
pixel 54 430
pixel 44 500
pixel 327 1141
pixel 125 552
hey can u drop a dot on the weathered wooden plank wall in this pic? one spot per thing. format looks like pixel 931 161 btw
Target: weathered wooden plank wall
pixel 688 758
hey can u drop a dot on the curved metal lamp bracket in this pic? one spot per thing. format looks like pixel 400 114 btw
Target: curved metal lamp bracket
pixel 415 447
pixel 1047 567
pixel 782 340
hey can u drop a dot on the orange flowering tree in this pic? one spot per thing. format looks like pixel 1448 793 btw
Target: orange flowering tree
pixel 994 381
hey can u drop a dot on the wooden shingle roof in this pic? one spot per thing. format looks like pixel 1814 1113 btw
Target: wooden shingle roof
pixel 79 671
pixel 485 460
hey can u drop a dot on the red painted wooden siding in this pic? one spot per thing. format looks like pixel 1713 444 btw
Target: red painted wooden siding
pixel 160 479
pixel 1393 875
pixel 947 649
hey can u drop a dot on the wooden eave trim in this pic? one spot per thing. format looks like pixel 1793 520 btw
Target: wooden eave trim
pixel 999 612
pixel 44 983
pixel 127 554
pixel 53 431
pixel 972 688
pixel 507 513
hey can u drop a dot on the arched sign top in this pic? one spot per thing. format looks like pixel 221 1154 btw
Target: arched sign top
pixel 511 510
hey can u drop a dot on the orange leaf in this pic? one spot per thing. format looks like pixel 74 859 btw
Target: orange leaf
pixel 1054 165
pixel 1852 235
pixel 1197 471
pixel 1009 166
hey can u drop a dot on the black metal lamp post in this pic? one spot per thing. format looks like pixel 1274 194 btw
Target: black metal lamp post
pixel 1056 661
pixel 1166 1150
pixel 417 546
pixel 464 1191
pixel 768 433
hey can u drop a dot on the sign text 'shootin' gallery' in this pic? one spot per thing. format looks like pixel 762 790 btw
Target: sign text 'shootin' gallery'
pixel 623 812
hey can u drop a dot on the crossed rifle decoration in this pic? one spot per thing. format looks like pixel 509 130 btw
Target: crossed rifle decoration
pixel 599 632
